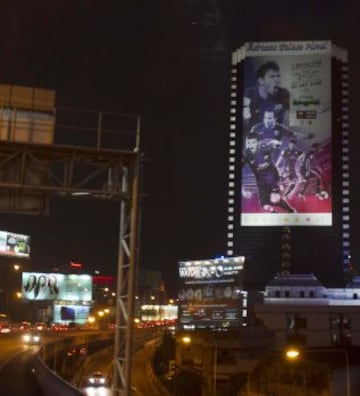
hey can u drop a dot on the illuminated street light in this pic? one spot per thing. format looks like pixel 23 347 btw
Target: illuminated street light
pixel 293 354
pixel 18 295
pixel 91 319
pixel 187 340
pixel 16 267
pixel 101 313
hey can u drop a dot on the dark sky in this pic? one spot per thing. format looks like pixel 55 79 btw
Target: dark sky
pixel 146 57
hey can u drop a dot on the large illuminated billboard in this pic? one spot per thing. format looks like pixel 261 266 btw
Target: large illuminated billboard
pixel 15 245
pixel 54 286
pixel 286 140
pixel 211 293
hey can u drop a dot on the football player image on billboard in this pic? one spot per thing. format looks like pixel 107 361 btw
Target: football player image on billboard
pixel 286 142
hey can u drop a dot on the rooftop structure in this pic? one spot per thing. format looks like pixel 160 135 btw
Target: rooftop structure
pixel 298 308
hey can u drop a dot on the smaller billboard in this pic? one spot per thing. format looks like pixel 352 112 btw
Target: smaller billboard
pixel 159 312
pixel 211 293
pixel 54 286
pixel 217 270
pixel 64 313
pixel 16 245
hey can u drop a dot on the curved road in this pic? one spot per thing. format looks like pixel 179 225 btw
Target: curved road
pixel 16 363
pixel 16 378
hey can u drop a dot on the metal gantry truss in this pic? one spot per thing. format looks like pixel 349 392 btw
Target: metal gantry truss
pixel 31 173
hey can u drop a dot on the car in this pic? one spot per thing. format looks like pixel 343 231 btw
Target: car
pixel 40 326
pixel 5 328
pixel 59 327
pixel 25 326
pixel 97 379
pixel 77 351
pixel 31 338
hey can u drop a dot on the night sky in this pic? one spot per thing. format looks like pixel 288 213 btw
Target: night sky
pixel 146 57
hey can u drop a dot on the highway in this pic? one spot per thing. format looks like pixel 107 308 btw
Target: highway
pixel 16 363
pixel 16 378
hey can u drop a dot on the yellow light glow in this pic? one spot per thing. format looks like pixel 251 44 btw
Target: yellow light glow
pixel 186 340
pixel 292 353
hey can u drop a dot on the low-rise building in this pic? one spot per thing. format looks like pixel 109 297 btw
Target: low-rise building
pixel 298 308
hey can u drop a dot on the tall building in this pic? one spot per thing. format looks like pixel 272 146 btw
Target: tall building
pixel 288 189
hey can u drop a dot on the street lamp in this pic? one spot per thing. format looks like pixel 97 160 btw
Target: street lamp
pixel 294 353
pixel 215 369
pixel 187 340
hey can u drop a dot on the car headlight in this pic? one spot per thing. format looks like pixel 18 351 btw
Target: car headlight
pixel 92 380
pixel 26 338
pixel 36 338
pixel 102 380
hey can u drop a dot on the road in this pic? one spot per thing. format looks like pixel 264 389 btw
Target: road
pixel 142 385
pixel 16 378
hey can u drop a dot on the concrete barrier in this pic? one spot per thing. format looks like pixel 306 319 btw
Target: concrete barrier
pixel 52 384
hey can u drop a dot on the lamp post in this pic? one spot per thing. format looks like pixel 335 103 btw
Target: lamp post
pixel 215 369
pixel 294 353
pixel 187 340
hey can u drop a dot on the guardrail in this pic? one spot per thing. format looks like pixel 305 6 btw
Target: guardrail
pixel 49 381
pixel 45 364
pixel 155 381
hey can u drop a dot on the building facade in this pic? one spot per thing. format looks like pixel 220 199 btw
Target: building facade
pixel 306 228
pixel 300 310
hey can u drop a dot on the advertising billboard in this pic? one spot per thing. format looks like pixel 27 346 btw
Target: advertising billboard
pixel 159 312
pixel 286 141
pixel 64 313
pixel 15 245
pixel 211 294
pixel 54 286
